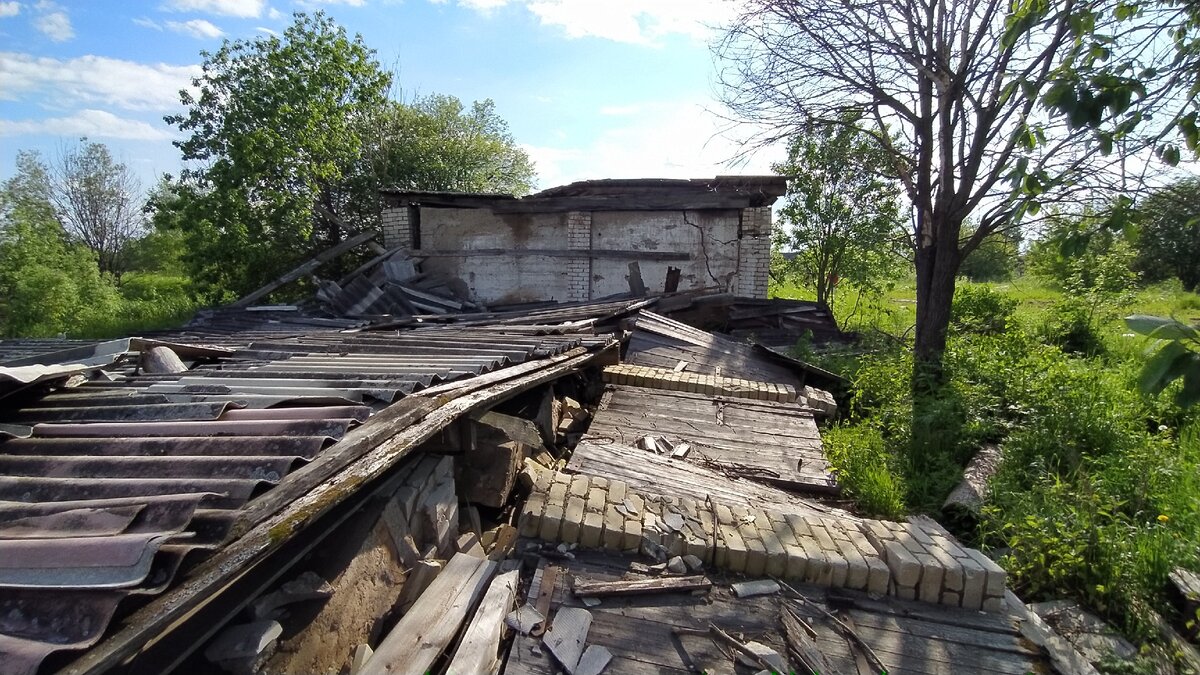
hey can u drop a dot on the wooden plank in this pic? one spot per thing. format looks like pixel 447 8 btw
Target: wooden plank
pixel 307 267
pixel 642 586
pixel 346 227
pixel 480 645
pixel 658 475
pixel 427 629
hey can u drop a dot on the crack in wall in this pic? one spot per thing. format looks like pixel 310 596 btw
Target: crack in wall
pixel 703 248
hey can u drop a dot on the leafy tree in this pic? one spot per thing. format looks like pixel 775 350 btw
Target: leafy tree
pixel 275 126
pixel 995 259
pixel 1168 239
pixel 48 284
pixel 950 93
pixel 840 216
pixel 98 202
pixel 434 143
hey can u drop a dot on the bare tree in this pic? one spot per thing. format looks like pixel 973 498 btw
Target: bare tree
pixel 98 201
pixel 950 91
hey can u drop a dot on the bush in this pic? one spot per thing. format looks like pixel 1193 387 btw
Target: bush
pixel 979 309
pixel 866 469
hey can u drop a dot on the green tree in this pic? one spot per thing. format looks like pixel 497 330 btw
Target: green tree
pixel 841 215
pixel 1168 234
pixel 276 125
pixel 98 202
pixel 434 143
pixel 995 259
pixel 950 92
pixel 48 283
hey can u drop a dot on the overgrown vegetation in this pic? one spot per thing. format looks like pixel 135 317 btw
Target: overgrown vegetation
pixel 1096 496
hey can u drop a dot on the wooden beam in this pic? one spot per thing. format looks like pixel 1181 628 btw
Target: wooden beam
pixel 427 628
pixel 478 652
pixel 307 268
pixel 347 228
pixel 642 586
pixel 660 256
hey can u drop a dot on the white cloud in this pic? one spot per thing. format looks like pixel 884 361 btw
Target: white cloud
pixel 90 123
pixel 632 21
pixel 93 79
pixel 8 9
pixel 314 4
pixel 666 140
pixel 274 14
pixel 56 26
pixel 197 28
pixel 148 23
pixel 268 31
pixel 244 9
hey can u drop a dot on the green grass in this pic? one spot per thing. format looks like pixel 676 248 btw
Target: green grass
pixel 1097 496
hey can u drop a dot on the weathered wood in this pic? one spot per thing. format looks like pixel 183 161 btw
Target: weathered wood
pixel 567 640
pixel 307 267
pixel 966 500
pixel 489 472
pixel 384 254
pixel 637 287
pixel 346 227
pixel 671 284
pixel 427 629
pixel 802 643
pixel 478 651
pixel 846 631
pixel 162 360
pixel 642 586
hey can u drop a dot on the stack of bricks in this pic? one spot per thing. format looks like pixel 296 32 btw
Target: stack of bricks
pixel 881 558
pixel 929 566
pixel 754 252
pixel 396 223
pixel 579 238
pixel 711 385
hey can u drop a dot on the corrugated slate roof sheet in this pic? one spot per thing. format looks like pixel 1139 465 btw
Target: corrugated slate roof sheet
pixel 109 488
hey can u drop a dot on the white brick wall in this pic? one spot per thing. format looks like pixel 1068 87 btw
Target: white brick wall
pixel 397 227
pixel 579 270
pixel 754 252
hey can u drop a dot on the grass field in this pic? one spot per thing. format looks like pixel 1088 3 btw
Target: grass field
pixel 1098 495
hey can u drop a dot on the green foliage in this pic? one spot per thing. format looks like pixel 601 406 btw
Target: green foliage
pixel 1168 234
pixel 841 217
pixel 1178 358
pixel 995 259
pixel 276 125
pixel 867 470
pixel 979 309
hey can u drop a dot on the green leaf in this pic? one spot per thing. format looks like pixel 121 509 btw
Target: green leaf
pixel 1162 368
pixel 1160 327
pixel 1189 395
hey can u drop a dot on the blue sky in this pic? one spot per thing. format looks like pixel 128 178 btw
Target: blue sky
pixel 591 88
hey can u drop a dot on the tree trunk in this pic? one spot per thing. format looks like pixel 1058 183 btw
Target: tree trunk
pixel 937 267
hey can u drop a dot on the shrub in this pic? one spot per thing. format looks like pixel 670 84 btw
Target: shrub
pixel 977 308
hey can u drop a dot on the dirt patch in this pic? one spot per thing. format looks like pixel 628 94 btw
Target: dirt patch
pixel 367 580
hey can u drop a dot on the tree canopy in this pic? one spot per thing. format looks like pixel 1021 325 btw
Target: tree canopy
pixel 291 137
pixel 951 94
pixel 841 214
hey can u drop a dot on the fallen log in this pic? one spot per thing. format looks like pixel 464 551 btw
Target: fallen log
pixel 966 500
